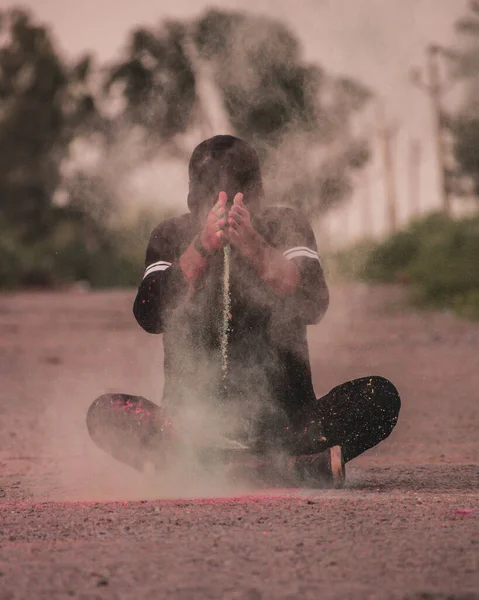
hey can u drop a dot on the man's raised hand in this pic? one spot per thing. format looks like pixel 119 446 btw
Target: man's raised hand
pixel 240 231
pixel 213 236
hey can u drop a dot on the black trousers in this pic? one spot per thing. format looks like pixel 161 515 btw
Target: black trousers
pixel 355 415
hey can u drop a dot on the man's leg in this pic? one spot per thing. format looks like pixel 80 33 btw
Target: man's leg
pixel 129 428
pixel 356 415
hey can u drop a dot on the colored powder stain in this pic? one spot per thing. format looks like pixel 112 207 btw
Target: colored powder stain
pixel 464 512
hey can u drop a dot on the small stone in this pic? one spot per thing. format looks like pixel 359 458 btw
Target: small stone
pixel 102 582
pixel 53 360
pixel 253 594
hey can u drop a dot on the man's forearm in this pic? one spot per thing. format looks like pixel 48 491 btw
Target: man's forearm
pixel 192 264
pixel 281 274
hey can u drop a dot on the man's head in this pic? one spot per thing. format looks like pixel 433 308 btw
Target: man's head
pixel 223 163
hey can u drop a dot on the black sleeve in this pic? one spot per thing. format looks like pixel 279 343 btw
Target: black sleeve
pixel 295 238
pixel 163 284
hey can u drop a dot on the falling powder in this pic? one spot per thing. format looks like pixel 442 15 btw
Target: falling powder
pixel 225 326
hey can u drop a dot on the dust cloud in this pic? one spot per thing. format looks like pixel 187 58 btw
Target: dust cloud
pixel 95 347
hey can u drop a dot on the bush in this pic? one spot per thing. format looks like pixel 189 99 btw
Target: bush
pixel 12 260
pixel 77 249
pixel 348 264
pixel 388 262
pixel 437 256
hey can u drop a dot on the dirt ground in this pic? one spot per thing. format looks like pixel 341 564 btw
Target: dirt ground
pixel 74 523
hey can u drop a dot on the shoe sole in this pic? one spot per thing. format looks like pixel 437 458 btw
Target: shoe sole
pixel 337 467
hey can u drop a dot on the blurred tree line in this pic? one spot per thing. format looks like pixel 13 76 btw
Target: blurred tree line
pixel 465 123
pixel 72 132
pixel 45 104
pixel 436 256
pixel 60 219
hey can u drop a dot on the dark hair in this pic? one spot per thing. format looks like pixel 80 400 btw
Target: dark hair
pixel 224 163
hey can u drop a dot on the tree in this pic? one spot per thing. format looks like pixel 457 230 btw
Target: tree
pixel 62 217
pixel 465 124
pixel 32 78
pixel 40 112
pixel 45 105
pixel 158 80
pixel 269 96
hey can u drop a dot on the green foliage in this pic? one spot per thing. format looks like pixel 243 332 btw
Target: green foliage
pixel 32 79
pixel 436 256
pixel 389 261
pixel 77 250
pixel 348 264
pixel 270 95
pixel 274 90
pixel 465 123
pixel 61 222
pixel 157 80
pixel 276 100
pixel 466 143
pixel 44 105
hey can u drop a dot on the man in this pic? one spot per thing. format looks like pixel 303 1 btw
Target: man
pixel 255 391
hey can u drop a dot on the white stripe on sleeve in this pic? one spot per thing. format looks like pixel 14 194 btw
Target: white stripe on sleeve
pixel 160 265
pixel 301 251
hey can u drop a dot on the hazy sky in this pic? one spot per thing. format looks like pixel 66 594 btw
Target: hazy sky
pixel 375 40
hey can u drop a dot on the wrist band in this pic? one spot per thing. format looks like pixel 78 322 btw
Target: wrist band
pixel 202 251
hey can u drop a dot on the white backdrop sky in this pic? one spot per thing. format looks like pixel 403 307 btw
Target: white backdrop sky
pixel 378 41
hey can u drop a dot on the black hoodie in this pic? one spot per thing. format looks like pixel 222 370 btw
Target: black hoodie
pixel 268 359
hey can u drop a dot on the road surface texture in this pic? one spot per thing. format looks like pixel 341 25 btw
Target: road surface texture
pixel 74 523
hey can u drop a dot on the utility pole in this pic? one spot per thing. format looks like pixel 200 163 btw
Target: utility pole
pixel 435 89
pixel 387 135
pixel 414 178
pixel 366 213
pixel 436 92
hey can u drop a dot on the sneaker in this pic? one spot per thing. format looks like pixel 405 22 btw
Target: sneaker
pixel 338 467
pixel 323 470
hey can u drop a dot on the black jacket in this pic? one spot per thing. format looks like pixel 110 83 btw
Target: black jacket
pixel 268 355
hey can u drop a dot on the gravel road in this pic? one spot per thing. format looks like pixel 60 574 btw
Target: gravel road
pixel 76 524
